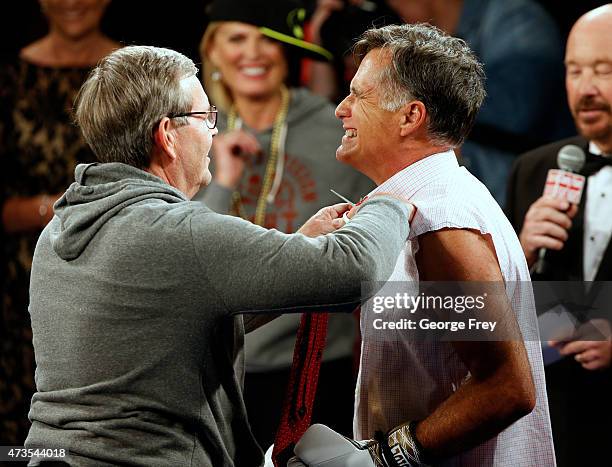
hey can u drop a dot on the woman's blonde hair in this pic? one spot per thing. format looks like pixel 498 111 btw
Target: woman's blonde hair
pixel 218 93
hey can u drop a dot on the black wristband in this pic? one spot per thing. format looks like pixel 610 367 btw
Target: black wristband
pixel 385 449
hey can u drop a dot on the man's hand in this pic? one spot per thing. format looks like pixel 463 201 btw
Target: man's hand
pixel 546 224
pixel 232 151
pixel 591 354
pixel 331 218
pixel 327 220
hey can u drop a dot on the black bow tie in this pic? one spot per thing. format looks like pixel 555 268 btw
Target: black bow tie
pixel 595 163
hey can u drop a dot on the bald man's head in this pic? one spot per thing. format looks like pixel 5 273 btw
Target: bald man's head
pixel 588 62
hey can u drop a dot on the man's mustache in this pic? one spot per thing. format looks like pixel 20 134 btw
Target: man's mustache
pixel 588 103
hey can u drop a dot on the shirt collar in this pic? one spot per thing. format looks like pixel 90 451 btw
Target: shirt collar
pixel 594 149
pixel 411 179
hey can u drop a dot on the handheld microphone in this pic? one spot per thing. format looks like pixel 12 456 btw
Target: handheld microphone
pixel 564 184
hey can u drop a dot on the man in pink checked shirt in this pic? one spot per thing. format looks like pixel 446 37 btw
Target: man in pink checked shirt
pixel 418 402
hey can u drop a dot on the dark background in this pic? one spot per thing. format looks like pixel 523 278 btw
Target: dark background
pixel 177 24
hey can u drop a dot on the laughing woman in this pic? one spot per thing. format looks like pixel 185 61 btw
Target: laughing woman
pixel 274 164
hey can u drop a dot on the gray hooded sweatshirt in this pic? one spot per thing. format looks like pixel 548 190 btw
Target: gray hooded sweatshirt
pixel 134 297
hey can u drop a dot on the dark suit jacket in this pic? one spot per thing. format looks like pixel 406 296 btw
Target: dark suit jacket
pixel 525 186
pixel 579 399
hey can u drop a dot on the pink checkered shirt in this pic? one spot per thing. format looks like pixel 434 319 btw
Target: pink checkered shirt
pixel 402 379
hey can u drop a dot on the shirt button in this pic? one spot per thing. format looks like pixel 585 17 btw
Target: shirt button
pixel 592 238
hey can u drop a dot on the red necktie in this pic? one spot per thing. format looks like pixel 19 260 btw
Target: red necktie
pixel 302 387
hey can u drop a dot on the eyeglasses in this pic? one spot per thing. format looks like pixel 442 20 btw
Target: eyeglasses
pixel 211 116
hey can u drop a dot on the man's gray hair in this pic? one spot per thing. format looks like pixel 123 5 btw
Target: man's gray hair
pixel 428 65
pixel 126 96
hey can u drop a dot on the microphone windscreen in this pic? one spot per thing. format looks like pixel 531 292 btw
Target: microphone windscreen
pixel 571 158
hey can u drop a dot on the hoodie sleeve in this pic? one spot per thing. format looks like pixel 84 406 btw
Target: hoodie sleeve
pixel 254 269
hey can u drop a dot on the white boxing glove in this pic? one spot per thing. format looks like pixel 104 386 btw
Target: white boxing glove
pixel 320 446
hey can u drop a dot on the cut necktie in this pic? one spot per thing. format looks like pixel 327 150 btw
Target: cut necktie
pixel 302 387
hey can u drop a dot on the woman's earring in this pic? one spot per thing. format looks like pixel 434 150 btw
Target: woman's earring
pixel 215 75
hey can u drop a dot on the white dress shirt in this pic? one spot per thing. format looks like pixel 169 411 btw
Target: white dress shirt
pixel 402 379
pixel 597 217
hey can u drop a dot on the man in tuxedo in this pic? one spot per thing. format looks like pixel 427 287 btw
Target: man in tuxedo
pixel 577 240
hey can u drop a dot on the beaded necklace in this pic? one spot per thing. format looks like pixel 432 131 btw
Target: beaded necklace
pixel 274 166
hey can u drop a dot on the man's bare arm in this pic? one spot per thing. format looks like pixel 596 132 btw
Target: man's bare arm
pixel 500 389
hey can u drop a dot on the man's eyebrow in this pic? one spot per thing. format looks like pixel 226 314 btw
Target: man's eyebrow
pixel 354 90
pixel 596 62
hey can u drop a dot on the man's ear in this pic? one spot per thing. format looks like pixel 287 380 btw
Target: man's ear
pixel 413 117
pixel 165 138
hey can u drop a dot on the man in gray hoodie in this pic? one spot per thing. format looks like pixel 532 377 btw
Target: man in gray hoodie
pixel 136 291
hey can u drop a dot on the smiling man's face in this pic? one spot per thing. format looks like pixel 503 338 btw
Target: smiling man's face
pixel 369 129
